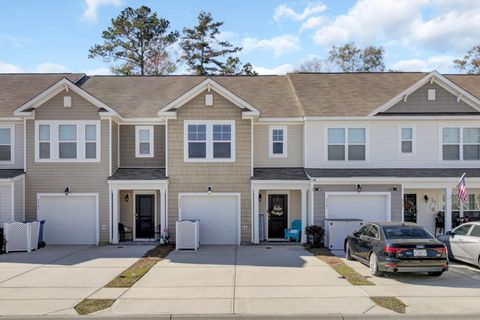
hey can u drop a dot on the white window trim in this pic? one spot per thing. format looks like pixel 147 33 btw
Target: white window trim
pixel 54 141
pixel 440 139
pixel 137 142
pixel 400 140
pixel 209 142
pixel 270 142
pixel 346 144
pixel 12 144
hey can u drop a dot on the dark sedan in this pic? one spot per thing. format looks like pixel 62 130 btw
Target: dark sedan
pixel 397 247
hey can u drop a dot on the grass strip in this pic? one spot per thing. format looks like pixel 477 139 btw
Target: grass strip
pixel 340 267
pixel 88 306
pixel 136 271
pixel 391 303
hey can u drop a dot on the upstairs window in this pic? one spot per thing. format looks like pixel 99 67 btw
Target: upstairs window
pixel 460 144
pixel 6 144
pixel 346 144
pixel 209 141
pixel 278 142
pixel 407 140
pixel 144 141
pixel 67 141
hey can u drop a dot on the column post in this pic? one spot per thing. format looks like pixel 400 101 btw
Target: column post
pixel 304 214
pixel 256 213
pixel 448 209
pixel 115 214
pixel 162 212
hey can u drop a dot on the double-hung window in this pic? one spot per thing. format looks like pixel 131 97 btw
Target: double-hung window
pixel 346 144
pixel 407 140
pixel 209 141
pixel 67 141
pixel 144 141
pixel 277 142
pixel 6 144
pixel 460 144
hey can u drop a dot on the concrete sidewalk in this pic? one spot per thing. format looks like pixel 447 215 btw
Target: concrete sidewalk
pixel 54 279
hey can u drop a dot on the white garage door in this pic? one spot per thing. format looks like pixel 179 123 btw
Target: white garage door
pixel 369 207
pixel 68 219
pixel 218 215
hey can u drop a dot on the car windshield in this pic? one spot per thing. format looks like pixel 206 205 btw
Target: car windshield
pixel 402 232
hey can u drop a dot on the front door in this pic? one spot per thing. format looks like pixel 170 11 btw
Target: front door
pixel 410 208
pixel 144 214
pixel 277 215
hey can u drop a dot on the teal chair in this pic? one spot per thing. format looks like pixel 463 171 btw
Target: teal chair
pixel 295 231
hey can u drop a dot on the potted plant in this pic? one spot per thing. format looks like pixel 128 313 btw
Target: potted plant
pixel 314 236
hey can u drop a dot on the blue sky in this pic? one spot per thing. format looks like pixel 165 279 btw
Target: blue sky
pixel 277 36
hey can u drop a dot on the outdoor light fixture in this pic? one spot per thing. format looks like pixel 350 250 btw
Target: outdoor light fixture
pixel 127 197
pixel 394 189
pixel 425 197
pixel 67 190
pixel 359 188
pixel 316 189
pixel 209 190
pixel 259 197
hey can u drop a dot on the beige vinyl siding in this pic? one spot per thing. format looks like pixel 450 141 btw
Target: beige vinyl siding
pixel 115 147
pixel 18 194
pixel 127 148
pixel 294 147
pixel 5 204
pixel 18 162
pixel 418 102
pixel 319 198
pixel 222 176
pixel 51 177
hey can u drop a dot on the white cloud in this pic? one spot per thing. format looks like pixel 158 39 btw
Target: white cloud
pixel 50 67
pixel 9 68
pixel 279 45
pixel 282 69
pixel 446 27
pixel 99 71
pixel 93 5
pixel 285 12
pixel 312 23
pixel 440 63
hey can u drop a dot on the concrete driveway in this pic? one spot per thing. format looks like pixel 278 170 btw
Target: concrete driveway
pixel 52 280
pixel 243 280
pixel 456 292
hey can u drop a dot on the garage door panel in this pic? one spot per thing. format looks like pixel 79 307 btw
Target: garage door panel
pixel 362 206
pixel 218 217
pixel 68 219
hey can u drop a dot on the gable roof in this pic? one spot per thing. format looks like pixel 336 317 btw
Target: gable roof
pixel 17 89
pixel 63 84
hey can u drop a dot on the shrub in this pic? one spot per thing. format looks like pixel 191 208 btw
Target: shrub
pixel 314 236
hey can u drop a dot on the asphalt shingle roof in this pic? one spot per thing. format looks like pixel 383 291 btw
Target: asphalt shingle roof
pixel 10 173
pixel 279 174
pixel 394 172
pixel 139 174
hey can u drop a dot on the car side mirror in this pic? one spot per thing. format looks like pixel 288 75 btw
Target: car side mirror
pixel 356 234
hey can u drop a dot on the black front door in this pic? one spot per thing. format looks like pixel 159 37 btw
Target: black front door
pixel 144 207
pixel 277 215
pixel 410 208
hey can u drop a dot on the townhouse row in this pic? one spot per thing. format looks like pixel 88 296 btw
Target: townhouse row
pixel 245 155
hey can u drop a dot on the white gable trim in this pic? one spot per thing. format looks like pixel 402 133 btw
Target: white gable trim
pixel 208 84
pixel 55 89
pixel 439 79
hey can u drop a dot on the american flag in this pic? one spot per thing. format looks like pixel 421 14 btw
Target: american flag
pixel 462 189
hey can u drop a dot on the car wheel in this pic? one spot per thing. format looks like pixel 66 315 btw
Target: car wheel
pixel 373 265
pixel 348 253
pixel 435 274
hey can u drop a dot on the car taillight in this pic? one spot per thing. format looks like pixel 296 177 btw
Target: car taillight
pixel 441 249
pixel 390 249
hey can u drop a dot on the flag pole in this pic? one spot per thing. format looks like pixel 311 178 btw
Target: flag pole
pixel 463 176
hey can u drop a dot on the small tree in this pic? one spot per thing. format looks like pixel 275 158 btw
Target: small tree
pixel 314 65
pixel 350 58
pixel 470 63
pixel 206 54
pixel 141 40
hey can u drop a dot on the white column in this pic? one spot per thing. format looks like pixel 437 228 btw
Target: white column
pixel 448 209
pixel 304 214
pixel 255 225
pixel 310 195
pixel 163 196
pixel 115 214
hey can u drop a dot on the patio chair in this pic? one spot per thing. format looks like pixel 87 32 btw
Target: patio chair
pixel 123 231
pixel 295 231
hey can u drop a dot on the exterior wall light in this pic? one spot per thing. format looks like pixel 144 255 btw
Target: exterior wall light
pixel 67 190
pixel 359 188
pixel 209 190
pixel 127 197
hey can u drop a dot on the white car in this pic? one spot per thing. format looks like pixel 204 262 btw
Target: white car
pixel 463 243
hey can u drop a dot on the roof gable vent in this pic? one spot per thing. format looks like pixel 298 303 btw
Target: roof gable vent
pixel 431 94
pixel 209 100
pixel 67 102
